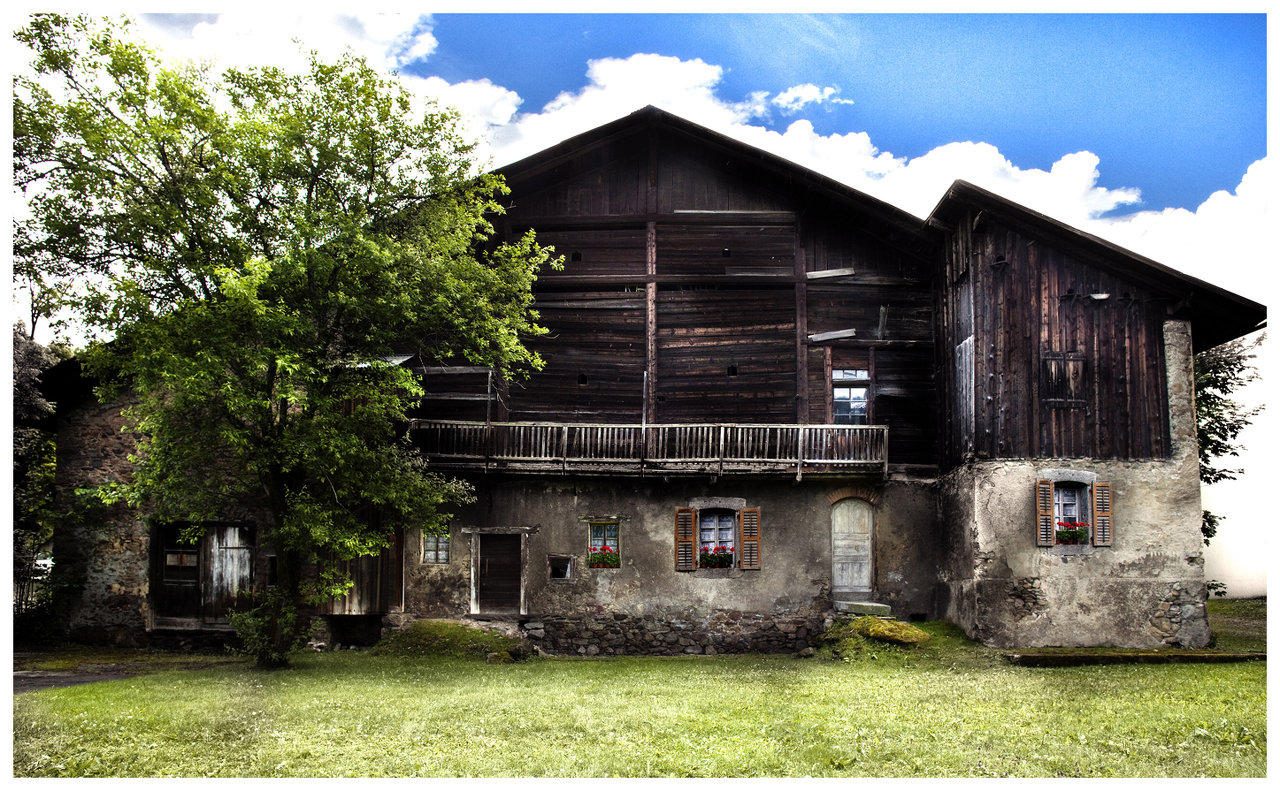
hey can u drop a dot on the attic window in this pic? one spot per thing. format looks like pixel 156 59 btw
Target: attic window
pixel 733 370
pixel 582 380
pixel 575 256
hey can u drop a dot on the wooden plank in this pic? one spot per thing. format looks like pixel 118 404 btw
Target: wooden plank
pixel 651 323
pixel 802 329
pixel 819 337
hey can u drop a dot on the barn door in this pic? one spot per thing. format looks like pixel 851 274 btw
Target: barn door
pixel 851 522
pixel 498 573
pixel 226 570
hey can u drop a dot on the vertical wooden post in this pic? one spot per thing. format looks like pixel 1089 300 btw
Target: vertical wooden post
pixel 651 321
pixel 802 328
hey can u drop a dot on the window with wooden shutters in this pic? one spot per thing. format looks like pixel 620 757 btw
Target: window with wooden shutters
pixel 1062 379
pixel 1102 522
pixel 686 549
pixel 1044 513
pixel 749 538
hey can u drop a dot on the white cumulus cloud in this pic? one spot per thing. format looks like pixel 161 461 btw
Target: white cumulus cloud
pixel 797 97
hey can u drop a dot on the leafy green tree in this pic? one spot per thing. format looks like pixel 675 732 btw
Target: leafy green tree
pixel 33 465
pixel 1220 417
pixel 255 244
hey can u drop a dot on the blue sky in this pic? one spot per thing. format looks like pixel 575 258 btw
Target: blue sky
pixel 1172 104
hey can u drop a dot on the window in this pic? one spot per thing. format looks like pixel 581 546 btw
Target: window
pixel 181 566
pixel 603 551
pixel 849 387
pixel 717 538
pixel 560 567
pixel 435 549
pixel 1062 379
pixel 1070 511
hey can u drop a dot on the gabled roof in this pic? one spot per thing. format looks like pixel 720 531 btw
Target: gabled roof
pixel 1218 315
pixel 652 117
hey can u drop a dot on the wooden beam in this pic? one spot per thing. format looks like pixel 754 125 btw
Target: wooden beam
pixel 819 337
pixel 802 330
pixel 651 321
pixel 827 274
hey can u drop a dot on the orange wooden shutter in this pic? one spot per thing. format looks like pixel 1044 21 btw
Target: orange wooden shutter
pixel 1102 523
pixel 749 538
pixel 686 543
pixel 1044 513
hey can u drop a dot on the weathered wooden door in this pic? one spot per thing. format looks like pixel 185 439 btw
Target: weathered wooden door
pixel 498 578
pixel 226 569
pixel 851 524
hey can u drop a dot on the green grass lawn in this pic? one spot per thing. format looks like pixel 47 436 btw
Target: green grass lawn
pixel 948 708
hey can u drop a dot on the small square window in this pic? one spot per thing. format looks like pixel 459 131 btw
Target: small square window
pixel 435 549
pixel 560 567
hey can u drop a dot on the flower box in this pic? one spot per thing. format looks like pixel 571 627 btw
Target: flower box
pixel 604 558
pixel 1070 532
pixel 717 558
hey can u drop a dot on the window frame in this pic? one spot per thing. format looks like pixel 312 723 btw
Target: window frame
pixel 436 539
pixel 569 564
pixel 594 543
pixel 1082 494
pixel 851 379
pixel 719 514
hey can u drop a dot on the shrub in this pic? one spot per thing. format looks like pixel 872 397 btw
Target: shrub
pixel 270 629
pixel 450 639
pixel 889 631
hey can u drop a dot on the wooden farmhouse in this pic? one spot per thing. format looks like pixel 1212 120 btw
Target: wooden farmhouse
pixel 769 398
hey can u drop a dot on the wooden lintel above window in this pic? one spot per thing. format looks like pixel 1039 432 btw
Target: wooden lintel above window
pixel 508 530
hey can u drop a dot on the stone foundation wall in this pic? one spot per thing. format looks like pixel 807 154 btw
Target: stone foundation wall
pixel 720 632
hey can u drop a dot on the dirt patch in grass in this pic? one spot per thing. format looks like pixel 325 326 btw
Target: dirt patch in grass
pixel 1239 624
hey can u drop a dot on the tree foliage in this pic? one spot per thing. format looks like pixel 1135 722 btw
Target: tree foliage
pixel 1220 417
pixel 256 243
pixel 33 464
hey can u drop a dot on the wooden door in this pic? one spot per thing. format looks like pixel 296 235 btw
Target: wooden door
pixel 498 578
pixel 851 522
pixel 175 574
pixel 226 569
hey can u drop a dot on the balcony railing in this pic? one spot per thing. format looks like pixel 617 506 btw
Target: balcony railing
pixel 714 448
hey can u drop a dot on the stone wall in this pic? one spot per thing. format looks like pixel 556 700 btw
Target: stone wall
pixel 646 606
pixel 100 555
pixel 1146 590
pixel 673 633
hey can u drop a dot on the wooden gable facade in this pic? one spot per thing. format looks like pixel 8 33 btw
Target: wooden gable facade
pixel 707 282
pixel 1052 341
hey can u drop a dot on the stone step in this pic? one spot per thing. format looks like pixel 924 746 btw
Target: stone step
pixel 863 607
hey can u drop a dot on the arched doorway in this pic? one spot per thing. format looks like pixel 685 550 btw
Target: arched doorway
pixel 851 526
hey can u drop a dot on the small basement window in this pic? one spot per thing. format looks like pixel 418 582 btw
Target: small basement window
pixel 560 567
pixel 435 549
pixel 733 370
pixel 582 380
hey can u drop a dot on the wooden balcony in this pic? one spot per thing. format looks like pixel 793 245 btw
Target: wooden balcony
pixel 655 449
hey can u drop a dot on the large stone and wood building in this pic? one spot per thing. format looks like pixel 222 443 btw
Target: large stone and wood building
pixel 767 397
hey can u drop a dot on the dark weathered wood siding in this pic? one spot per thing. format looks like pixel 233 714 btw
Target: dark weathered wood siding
pixel 1033 311
pixel 690 262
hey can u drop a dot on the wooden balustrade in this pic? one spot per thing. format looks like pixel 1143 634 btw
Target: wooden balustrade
pixel 718 448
